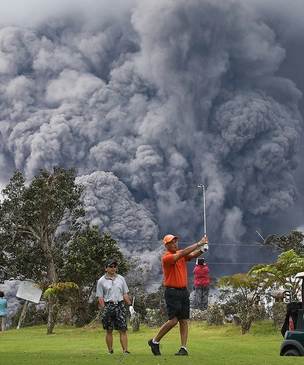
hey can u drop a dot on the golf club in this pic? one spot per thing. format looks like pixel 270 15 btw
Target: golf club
pixel 205 247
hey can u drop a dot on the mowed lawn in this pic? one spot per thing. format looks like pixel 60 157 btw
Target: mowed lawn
pixel 206 345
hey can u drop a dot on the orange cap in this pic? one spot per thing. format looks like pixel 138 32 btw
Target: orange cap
pixel 168 238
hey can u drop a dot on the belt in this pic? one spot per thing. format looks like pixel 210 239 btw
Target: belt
pixel 121 301
pixel 170 287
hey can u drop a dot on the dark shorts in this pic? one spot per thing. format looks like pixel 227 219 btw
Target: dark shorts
pixel 114 317
pixel 178 303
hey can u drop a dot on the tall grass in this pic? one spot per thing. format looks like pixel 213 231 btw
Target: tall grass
pixel 206 345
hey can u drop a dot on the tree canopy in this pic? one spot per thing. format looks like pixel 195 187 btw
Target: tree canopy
pixel 242 293
pixel 30 217
pixel 293 241
pixel 281 273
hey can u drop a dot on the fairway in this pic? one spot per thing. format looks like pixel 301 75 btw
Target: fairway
pixel 206 345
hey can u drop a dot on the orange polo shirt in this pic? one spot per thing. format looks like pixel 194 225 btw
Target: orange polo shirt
pixel 175 273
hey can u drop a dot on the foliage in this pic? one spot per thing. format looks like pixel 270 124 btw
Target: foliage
pixel 215 315
pixel 240 295
pixel 57 296
pixel 83 263
pixel 294 241
pixel 278 313
pixel 156 302
pixel 137 279
pixel 282 272
pixel 43 238
pixel 155 317
pixel 61 291
pixel 29 218
pixel 86 253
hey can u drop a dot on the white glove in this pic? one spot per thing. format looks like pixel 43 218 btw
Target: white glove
pixel 205 247
pixel 132 311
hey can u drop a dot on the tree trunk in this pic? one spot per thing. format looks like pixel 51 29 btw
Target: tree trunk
pixel 136 322
pixel 246 324
pixel 53 279
pixel 52 315
pixel 23 314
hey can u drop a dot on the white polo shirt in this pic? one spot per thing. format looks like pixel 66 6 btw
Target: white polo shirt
pixel 111 290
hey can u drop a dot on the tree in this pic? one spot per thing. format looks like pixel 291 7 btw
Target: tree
pixel 282 273
pixel 83 258
pixel 294 241
pixel 29 219
pixel 244 291
pixel 58 295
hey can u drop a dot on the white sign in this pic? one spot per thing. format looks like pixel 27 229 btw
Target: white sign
pixel 29 291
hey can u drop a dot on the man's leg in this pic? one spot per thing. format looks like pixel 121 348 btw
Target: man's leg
pixel 109 339
pixel 165 328
pixel 123 340
pixel 183 329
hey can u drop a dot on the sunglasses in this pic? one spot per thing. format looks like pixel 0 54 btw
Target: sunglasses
pixel 112 267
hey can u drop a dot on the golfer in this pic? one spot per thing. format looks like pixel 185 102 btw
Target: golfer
pixel 112 292
pixel 176 292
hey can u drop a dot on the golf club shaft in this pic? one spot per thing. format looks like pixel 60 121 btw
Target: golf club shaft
pixel 204 207
pixel 205 221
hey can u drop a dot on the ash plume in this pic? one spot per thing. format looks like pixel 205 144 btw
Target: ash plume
pixel 148 99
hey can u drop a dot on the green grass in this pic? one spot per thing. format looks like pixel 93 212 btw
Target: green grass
pixel 206 345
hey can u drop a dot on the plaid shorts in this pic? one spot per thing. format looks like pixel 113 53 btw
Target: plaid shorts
pixel 114 316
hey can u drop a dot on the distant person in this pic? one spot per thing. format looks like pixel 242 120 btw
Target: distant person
pixel 201 284
pixel 3 311
pixel 112 292
pixel 176 293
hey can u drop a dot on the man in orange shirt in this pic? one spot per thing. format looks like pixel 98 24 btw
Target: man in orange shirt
pixel 176 292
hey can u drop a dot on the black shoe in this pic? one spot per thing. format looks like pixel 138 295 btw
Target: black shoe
pixel 154 348
pixel 111 352
pixel 126 352
pixel 182 352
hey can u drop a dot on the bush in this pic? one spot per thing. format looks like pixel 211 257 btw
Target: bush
pixel 215 315
pixel 35 316
pixel 278 313
pixel 155 317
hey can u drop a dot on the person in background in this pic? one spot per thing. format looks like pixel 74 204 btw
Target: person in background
pixel 112 292
pixel 176 292
pixel 201 284
pixel 3 311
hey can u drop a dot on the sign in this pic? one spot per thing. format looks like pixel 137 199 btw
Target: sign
pixel 30 291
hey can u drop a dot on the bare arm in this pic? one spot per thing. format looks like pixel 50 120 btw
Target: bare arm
pixel 195 254
pixel 127 299
pixel 101 302
pixel 188 251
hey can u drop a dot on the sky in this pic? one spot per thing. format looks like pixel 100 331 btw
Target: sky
pixel 149 99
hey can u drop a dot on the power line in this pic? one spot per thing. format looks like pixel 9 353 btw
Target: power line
pixel 189 243
pixel 234 263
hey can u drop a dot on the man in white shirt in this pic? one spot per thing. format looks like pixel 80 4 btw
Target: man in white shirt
pixel 112 292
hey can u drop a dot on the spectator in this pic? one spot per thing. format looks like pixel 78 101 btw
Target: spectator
pixel 112 292
pixel 3 311
pixel 201 284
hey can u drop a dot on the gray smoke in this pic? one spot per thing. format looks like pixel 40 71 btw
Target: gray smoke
pixel 148 99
